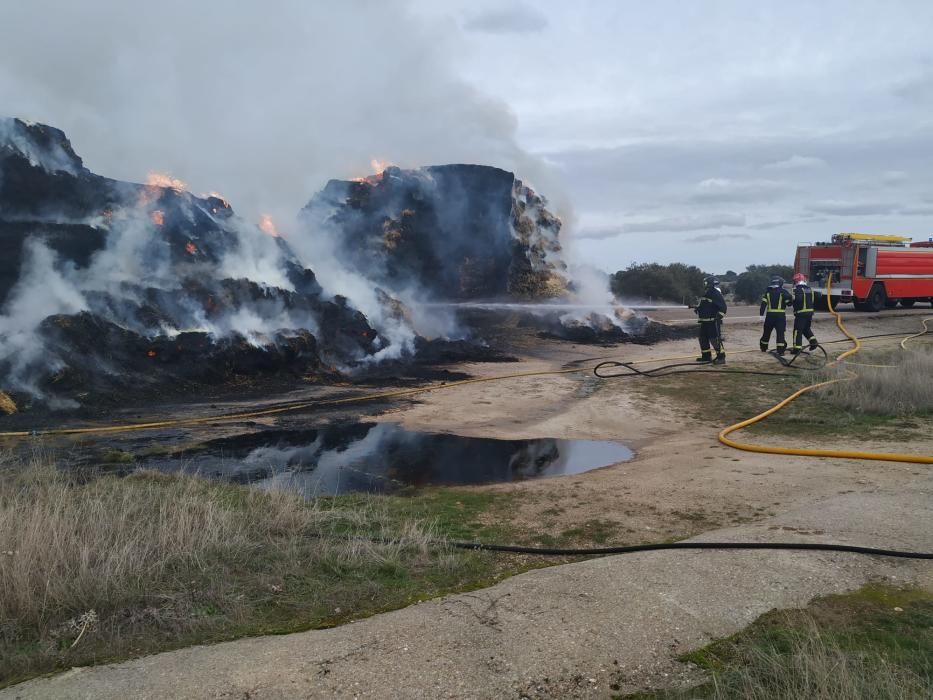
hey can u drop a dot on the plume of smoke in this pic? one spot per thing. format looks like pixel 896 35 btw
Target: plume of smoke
pixel 42 291
pixel 262 101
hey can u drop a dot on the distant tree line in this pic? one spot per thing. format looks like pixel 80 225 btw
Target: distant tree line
pixel 751 283
pixel 681 284
pixel 675 282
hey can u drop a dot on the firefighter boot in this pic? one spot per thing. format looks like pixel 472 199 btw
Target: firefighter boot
pixel 705 356
pixel 720 359
pixel 813 344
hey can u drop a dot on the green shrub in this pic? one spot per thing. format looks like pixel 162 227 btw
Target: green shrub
pixel 676 282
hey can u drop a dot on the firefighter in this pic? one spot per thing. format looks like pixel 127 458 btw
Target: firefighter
pixel 773 308
pixel 803 313
pixel 710 310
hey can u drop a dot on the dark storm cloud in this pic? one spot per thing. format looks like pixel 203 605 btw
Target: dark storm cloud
pixel 516 18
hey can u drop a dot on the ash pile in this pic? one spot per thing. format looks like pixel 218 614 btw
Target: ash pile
pixel 608 328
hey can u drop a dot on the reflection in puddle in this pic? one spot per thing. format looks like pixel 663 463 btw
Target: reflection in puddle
pixel 385 457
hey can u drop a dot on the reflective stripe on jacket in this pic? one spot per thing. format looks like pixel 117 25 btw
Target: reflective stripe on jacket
pixel 775 301
pixel 803 299
pixel 711 306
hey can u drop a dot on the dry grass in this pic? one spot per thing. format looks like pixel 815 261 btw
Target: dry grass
pixel 109 567
pixel 816 666
pixel 7 405
pixel 872 644
pixel 904 389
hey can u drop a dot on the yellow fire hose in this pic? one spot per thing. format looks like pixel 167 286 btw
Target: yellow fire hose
pixel 810 452
pixel 301 405
pixel 917 335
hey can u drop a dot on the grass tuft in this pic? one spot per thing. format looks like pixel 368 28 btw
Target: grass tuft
pixel 901 390
pixel 104 568
pixel 873 644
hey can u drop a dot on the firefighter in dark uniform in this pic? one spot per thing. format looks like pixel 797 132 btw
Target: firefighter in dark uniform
pixel 803 314
pixel 709 311
pixel 774 303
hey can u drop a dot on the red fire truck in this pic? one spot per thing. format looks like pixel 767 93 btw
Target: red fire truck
pixel 872 271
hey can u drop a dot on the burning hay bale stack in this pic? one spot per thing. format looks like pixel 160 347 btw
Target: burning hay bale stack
pixel 110 286
pixel 457 232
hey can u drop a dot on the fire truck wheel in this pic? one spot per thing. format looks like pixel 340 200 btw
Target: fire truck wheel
pixel 890 303
pixel 876 298
pixel 907 303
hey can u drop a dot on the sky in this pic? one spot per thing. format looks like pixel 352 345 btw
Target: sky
pixel 718 134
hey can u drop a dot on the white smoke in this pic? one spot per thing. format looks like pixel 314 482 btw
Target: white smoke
pixel 42 291
pixel 257 257
pixel 263 102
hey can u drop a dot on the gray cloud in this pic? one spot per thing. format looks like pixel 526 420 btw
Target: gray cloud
pixel 665 225
pixel 894 177
pixel 516 18
pixel 917 88
pixel 916 211
pixel 768 225
pixel 599 233
pixel 728 190
pixel 797 162
pixel 843 208
pixel 710 237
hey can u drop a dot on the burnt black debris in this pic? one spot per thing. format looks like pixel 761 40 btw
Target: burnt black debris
pixel 461 231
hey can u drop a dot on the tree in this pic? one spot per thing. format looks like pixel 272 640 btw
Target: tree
pixel 675 282
pixel 752 283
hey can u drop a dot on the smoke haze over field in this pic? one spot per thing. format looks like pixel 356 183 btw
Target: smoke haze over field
pixel 261 101
pixel 773 121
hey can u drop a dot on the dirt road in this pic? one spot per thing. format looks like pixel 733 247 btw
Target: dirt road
pixel 586 629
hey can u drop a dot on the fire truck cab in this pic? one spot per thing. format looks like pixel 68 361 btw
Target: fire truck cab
pixel 872 271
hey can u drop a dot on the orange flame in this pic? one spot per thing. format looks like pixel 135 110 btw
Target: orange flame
pixel 268 226
pixel 151 353
pixel 379 166
pixel 157 216
pixel 165 180
pixel 191 248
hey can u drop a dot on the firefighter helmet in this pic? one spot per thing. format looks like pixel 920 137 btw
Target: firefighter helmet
pixel 799 278
pixel 711 281
pixel 777 281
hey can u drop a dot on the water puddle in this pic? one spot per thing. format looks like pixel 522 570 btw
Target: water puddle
pixel 383 457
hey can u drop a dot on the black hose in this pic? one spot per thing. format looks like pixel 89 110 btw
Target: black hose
pixel 632 548
pixel 628 549
pixel 790 363
pixel 656 372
